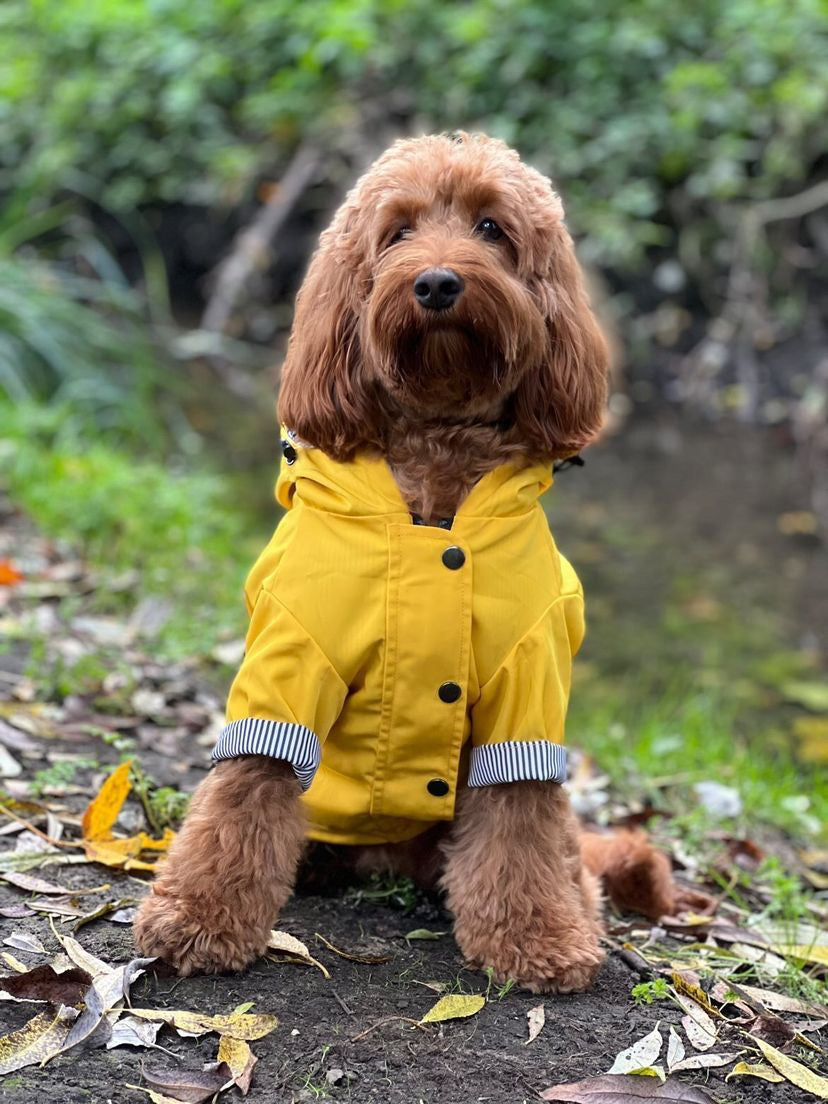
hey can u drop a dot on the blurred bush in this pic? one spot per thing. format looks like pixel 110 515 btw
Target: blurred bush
pixel 649 115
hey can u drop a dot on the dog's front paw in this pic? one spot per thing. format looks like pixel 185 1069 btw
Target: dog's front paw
pixel 196 937
pixel 540 961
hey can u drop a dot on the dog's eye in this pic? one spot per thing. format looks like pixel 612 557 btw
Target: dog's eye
pixel 489 230
pixel 398 235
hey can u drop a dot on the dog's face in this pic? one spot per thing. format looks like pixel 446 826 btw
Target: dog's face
pixel 447 283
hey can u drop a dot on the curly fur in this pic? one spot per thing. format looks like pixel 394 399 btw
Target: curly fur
pixel 515 370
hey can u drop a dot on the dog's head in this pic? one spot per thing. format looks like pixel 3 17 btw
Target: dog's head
pixel 446 287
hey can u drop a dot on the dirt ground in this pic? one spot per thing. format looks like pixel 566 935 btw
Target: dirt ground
pixel 352 1038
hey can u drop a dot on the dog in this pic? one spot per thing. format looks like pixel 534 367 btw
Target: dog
pixel 407 670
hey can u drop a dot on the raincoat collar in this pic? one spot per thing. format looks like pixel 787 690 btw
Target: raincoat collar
pixel 365 486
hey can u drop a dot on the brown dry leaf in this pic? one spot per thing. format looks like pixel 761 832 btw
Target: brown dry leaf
pixel 613 1088
pixel 189 1086
pixel 368 960
pixel 239 1059
pixel 103 810
pixel 37 1041
pixel 759 1069
pixel 772 1029
pixel 537 1018
pixel 238 1025
pixel 45 984
pixel 794 1071
pixel 104 993
pixel 295 949
pixel 456 1006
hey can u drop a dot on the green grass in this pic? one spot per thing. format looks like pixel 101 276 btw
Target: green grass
pixel 176 533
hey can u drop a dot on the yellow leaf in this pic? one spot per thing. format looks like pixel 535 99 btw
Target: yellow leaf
pixel 123 852
pixel 284 943
pixel 236 1025
pixel 240 1060
pixel 13 962
pixel 816 953
pixel 37 1041
pixel 102 811
pixel 795 1072
pixel 684 985
pixel 457 1006
pixel 743 1069
pixel 812 734
pixel 155 1097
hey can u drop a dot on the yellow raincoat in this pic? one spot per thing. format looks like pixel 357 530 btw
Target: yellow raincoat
pixel 390 662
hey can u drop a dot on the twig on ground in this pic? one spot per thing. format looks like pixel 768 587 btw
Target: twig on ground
pixel 31 828
pixel 387 1019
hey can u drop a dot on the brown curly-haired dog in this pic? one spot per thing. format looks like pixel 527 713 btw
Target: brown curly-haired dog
pixel 443 326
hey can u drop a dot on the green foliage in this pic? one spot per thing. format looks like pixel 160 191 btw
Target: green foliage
pixel 635 108
pixel 177 534
pixel 59 774
pixel 648 991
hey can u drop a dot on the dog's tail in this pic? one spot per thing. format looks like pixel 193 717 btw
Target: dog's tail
pixel 636 877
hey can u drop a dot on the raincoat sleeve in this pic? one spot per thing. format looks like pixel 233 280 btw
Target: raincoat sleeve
pixel 286 695
pixel 517 722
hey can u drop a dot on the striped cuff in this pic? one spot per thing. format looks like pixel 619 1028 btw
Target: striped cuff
pixel 517 761
pixel 294 743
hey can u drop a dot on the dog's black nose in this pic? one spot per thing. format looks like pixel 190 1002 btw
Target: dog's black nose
pixel 438 288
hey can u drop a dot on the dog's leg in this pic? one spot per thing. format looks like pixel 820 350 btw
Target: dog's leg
pixel 230 870
pixel 523 902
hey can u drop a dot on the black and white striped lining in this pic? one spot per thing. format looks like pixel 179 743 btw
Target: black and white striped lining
pixel 294 743
pixel 516 761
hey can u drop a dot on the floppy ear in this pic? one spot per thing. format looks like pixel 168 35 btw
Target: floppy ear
pixel 559 405
pixel 324 395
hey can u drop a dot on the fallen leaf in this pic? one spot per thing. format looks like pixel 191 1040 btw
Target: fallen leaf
pixel 813 695
pixel 24 941
pixel 624 1089
pixel 190 1086
pixel 37 1041
pixel 155 1097
pixel 424 933
pixel 812 734
pixel 13 962
pixel 103 810
pixel 704 1061
pixel 675 1049
pixel 123 852
pixel 368 960
pixel 130 1031
pixel 687 982
pixel 772 1029
pixel 9 575
pixel 537 1018
pixel 27 860
pixel 295 949
pixel 701 1037
pixel 794 1071
pixel 104 993
pixel 817 955
pixel 456 1006
pixel 45 984
pixel 778 1002
pixel 239 1059
pixel 236 1025
pixel 81 957
pixel 640 1055
pixel 39 885
pixel 759 1069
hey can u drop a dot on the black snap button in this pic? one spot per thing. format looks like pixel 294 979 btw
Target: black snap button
pixel 437 787
pixel 289 452
pixel 449 692
pixel 454 557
